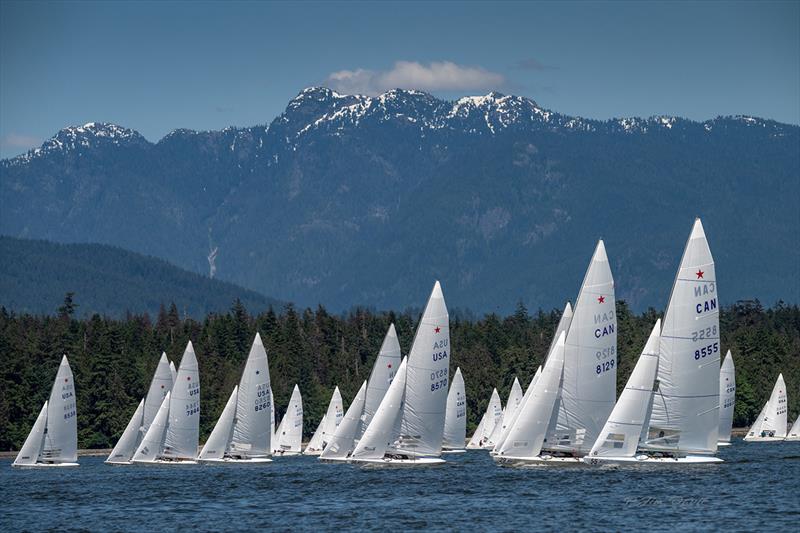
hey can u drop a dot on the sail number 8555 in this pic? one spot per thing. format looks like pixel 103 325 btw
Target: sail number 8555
pixel 706 350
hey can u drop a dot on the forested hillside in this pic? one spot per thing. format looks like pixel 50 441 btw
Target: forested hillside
pixel 113 359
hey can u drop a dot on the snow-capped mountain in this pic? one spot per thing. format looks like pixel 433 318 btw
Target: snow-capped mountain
pixel 352 199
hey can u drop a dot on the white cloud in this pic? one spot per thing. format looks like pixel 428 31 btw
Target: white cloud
pixel 435 76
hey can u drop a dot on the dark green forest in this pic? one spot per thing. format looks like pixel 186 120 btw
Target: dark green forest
pixel 113 359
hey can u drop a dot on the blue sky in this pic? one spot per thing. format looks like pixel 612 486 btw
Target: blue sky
pixel 155 67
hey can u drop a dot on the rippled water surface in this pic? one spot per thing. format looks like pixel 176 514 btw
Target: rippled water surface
pixel 756 487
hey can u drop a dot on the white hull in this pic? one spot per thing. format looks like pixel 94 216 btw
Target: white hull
pixel 285 454
pixel 764 439
pixel 454 451
pixel 47 465
pixel 647 460
pixel 334 459
pixel 792 439
pixel 313 453
pixel 418 461
pixel 721 444
pixel 118 463
pixel 539 460
pixel 229 460
pixel 160 462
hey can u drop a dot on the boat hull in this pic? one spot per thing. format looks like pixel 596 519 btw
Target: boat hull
pixel 47 465
pixel 285 454
pixel 389 462
pixel 539 460
pixel 118 463
pixel 647 460
pixel 161 462
pixel 454 451
pixel 764 439
pixel 721 444
pixel 228 460
pixel 792 439
pixel 313 453
pixel 334 459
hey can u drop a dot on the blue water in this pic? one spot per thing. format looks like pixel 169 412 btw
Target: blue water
pixel 756 488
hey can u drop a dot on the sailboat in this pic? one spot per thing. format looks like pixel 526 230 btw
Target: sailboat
pixel 172 436
pixel 244 429
pixel 383 372
pixel 684 419
pixel 525 438
pixel 343 441
pixel 562 327
pixel 621 435
pixel 327 427
pixel 771 423
pixel 455 419
pixel 53 440
pixel 588 387
pixel 512 404
pixel 794 433
pixel 408 427
pixel 727 399
pixel 492 417
pixel 289 435
pixel 137 427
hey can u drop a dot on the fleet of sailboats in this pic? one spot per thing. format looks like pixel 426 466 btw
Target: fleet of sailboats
pixel 677 406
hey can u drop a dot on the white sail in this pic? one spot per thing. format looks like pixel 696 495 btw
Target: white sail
pixel 314 446
pixel 272 427
pixel 526 436
pixel 476 441
pixel 427 376
pixel 794 433
pixel 494 416
pixel 771 422
pixel 160 385
pixel 380 378
pixel 588 390
pixel 333 417
pixel 685 415
pixel 563 325
pixel 32 447
pixel 343 441
pixel 183 429
pixel 455 420
pixel 620 434
pixel 61 436
pixel 727 398
pixel 525 398
pixel 130 439
pixel 512 404
pixel 252 429
pixel 173 371
pixel 153 442
pixel 289 435
pixel 380 433
pixel 219 441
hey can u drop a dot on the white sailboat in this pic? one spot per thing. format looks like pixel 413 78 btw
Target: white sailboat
pixel 455 419
pixel 172 437
pixel 413 411
pixel 727 400
pixel 523 444
pixel 794 433
pixel 383 372
pixel 344 437
pixel 492 417
pixel 243 432
pixel 515 417
pixel 289 435
pixel 137 427
pixel 684 419
pixel 476 441
pixel 770 426
pixel 621 435
pixel 53 440
pixel 327 428
pixel 512 404
pixel 588 387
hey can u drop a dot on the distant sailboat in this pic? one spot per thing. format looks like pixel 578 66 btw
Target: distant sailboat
pixel 289 435
pixel 408 427
pixel 771 423
pixel 172 437
pixel 684 419
pixel 53 440
pixel 137 427
pixel 621 435
pixel 727 400
pixel 383 372
pixel 794 433
pixel 476 441
pixel 512 404
pixel 504 435
pixel 492 417
pixel 455 420
pixel 326 430
pixel 343 440
pixel 244 430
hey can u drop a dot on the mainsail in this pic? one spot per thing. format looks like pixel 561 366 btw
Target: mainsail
pixel 218 442
pixel 455 420
pixel 252 428
pixel 685 414
pixel 343 441
pixel 771 422
pixel 314 446
pixel 512 404
pixel 727 398
pixel 31 449
pixel 289 434
pixel 61 433
pixel 333 417
pixel 380 378
pixel 528 392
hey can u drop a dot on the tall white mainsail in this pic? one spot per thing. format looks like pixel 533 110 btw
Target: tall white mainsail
pixel 380 378
pixel 289 435
pixel 512 404
pixel 314 446
pixel 139 423
pixel 455 420
pixel 476 441
pixel 343 441
pixel 528 392
pixel 620 434
pixel 588 389
pixel 333 417
pixel 727 398
pixel 771 422
pixel 685 415
pixel 152 444
pixel 493 417
pixel 526 435
pixel 220 438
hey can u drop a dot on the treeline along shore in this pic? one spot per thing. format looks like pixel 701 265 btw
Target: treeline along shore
pixel 114 359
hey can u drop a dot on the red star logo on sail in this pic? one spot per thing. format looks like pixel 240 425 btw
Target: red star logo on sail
pixel 389 365
pixel 700 274
pixel 437 329
pixel 66 380
pixel 188 378
pixel 602 299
